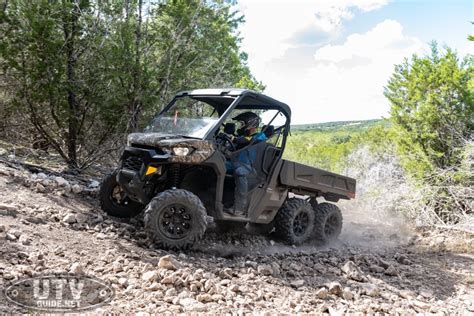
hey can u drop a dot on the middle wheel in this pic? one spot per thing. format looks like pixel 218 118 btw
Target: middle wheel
pixel 294 221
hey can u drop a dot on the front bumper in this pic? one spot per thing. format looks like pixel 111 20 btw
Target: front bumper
pixel 132 173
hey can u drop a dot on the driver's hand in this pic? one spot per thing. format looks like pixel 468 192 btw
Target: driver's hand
pixel 224 135
pixel 220 138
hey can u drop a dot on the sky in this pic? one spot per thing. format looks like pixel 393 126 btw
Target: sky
pixel 329 60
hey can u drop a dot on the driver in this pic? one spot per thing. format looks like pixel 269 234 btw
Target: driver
pixel 241 165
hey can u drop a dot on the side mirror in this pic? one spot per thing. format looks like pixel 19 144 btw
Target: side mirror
pixel 229 128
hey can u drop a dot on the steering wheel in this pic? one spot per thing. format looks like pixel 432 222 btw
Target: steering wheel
pixel 226 141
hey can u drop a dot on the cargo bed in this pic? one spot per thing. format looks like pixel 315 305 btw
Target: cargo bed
pixel 302 179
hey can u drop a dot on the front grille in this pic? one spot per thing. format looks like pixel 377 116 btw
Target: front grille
pixel 132 163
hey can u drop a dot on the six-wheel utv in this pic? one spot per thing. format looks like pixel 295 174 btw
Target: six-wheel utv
pixel 175 171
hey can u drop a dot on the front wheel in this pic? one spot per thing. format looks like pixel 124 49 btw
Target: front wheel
pixel 175 219
pixel 114 201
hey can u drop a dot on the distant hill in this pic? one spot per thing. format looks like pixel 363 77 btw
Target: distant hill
pixel 339 126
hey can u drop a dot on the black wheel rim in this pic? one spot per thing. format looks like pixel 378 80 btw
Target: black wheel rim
pixel 331 226
pixel 300 224
pixel 175 221
pixel 119 197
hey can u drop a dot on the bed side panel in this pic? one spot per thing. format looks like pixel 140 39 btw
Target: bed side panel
pixel 306 178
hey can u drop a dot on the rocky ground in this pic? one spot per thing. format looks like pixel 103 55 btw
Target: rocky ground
pixel 51 223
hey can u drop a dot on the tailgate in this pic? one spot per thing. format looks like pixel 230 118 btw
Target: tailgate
pixel 306 178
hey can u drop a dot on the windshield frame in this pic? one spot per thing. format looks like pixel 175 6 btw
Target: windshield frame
pixel 164 112
pixel 238 98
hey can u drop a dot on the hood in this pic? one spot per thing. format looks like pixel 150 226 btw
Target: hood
pixel 159 140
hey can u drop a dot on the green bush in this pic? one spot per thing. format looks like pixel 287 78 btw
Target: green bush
pixel 432 110
pixel 328 145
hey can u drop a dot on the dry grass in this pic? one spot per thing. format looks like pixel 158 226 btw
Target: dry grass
pixel 384 191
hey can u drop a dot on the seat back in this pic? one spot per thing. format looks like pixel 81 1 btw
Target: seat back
pixel 271 154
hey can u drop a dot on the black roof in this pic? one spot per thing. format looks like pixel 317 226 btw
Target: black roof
pixel 251 99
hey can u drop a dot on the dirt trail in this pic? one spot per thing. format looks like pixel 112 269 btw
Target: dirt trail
pixel 377 266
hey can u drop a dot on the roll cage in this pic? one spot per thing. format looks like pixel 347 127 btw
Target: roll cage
pixel 227 100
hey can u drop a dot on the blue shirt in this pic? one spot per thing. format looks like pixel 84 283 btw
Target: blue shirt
pixel 248 154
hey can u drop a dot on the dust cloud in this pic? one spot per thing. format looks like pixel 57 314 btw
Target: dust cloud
pixel 378 215
pixel 376 219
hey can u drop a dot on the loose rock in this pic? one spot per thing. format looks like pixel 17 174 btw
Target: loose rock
pixel 295 267
pixel 335 288
pixel 123 282
pixel 8 207
pixel 265 269
pixel 94 184
pixel 204 298
pixel 15 232
pixel 10 237
pixel 81 218
pixel 76 188
pixel 24 240
pixel 391 270
pixel 370 289
pixel 41 176
pixel 117 266
pixel 61 181
pixel 69 219
pixel 322 293
pixel 352 271
pixel 76 268
pixel 297 283
pixel 150 276
pixel 170 279
pixel 168 262
pixel 347 294
pixel 40 188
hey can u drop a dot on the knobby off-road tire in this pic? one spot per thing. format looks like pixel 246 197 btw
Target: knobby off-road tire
pixel 175 219
pixel 114 201
pixel 294 221
pixel 328 222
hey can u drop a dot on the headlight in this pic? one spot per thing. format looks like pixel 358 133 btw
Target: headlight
pixel 181 151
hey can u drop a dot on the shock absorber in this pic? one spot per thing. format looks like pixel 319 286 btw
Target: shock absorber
pixel 175 176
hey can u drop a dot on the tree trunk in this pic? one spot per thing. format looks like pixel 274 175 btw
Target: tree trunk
pixel 70 33
pixel 135 103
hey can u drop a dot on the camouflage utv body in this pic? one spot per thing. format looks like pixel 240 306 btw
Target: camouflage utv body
pixel 175 172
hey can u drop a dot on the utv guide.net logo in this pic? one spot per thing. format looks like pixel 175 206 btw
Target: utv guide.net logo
pixel 63 293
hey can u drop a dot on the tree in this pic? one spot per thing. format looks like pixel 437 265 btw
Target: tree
pixel 432 109
pixel 54 70
pixel 85 71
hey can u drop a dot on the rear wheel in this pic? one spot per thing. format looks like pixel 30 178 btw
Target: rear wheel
pixel 114 201
pixel 175 219
pixel 328 222
pixel 294 221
